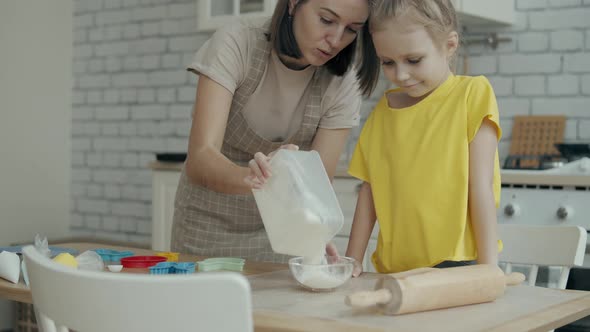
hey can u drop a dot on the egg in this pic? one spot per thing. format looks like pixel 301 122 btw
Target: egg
pixel 66 259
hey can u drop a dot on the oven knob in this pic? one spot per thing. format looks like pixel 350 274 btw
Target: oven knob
pixel 563 212
pixel 512 210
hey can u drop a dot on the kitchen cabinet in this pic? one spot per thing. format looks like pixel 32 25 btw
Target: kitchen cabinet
pixel 164 184
pixel 215 14
pixel 484 12
pixel 165 177
pixel 212 15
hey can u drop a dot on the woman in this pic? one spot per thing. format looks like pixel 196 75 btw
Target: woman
pixel 287 83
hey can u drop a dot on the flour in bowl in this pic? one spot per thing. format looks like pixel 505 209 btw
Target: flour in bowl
pixel 319 279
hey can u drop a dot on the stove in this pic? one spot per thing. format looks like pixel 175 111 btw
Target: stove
pixel 557 196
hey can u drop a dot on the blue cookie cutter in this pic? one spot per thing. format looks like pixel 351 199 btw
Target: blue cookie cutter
pixel 173 268
pixel 112 256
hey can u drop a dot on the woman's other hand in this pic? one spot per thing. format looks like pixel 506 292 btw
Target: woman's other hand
pixel 260 167
pixel 332 253
pixel 331 250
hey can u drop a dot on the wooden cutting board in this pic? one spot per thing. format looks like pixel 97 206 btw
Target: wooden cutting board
pixel 277 292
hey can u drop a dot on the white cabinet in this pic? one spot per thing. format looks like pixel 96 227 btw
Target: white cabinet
pixel 164 184
pixel 213 14
pixel 485 12
pixel 165 179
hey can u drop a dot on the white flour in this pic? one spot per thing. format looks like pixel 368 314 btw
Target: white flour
pixel 298 205
pixel 320 279
pixel 302 234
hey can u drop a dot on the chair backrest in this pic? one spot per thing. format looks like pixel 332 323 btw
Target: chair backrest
pixel 560 246
pixel 95 301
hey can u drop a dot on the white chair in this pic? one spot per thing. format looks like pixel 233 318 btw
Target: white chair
pixel 93 301
pixel 534 246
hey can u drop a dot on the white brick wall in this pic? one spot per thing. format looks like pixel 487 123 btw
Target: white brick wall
pixel 533 85
pixel 132 96
pixel 544 69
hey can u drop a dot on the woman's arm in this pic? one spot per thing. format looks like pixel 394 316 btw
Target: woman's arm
pixel 482 207
pixel 206 165
pixel 362 227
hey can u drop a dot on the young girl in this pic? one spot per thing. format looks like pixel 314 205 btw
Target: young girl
pixel 428 152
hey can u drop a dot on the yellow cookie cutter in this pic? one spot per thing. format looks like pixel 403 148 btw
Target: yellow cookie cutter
pixel 170 256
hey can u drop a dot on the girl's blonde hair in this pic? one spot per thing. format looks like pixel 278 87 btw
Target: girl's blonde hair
pixel 437 16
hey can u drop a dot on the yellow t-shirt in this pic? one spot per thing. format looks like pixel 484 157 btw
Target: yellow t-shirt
pixel 417 162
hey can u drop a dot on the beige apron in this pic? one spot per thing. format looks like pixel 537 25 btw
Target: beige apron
pixel 210 223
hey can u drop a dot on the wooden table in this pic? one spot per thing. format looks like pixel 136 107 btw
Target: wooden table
pixel 280 305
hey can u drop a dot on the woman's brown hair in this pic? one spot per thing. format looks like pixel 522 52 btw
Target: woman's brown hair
pixel 283 40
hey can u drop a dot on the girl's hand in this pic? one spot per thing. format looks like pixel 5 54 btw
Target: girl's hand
pixel 357 269
pixel 332 252
pixel 260 167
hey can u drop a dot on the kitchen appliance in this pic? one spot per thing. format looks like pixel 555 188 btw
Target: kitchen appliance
pixel 171 157
pixel 567 152
pixel 533 141
pixel 573 151
pixel 557 196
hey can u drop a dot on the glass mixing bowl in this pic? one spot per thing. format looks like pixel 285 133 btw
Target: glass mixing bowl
pixel 325 276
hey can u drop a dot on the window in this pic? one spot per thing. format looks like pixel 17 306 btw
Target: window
pixel 212 14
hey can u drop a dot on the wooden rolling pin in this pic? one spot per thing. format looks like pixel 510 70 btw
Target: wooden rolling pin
pixel 431 288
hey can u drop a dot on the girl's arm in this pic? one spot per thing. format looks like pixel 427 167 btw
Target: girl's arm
pixel 206 165
pixel 362 226
pixel 329 143
pixel 482 207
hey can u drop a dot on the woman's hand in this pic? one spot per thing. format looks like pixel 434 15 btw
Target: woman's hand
pixel 331 250
pixel 260 167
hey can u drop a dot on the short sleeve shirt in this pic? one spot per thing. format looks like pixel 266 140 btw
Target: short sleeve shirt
pixel 275 109
pixel 417 162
